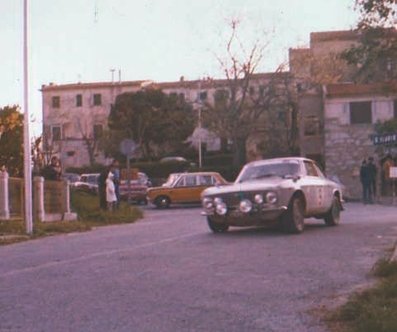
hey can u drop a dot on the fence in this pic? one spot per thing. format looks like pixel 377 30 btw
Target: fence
pixel 51 199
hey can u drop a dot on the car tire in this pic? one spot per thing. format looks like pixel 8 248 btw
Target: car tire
pixel 332 218
pixel 162 202
pixel 293 220
pixel 217 227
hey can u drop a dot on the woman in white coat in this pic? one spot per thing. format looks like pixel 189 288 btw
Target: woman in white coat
pixel 111 197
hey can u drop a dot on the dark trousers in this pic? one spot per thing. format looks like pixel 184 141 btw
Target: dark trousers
pixel 367 193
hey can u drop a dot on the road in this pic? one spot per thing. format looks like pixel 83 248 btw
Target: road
pixel 167 272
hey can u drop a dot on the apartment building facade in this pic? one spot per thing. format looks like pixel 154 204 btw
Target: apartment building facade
pixel 75 115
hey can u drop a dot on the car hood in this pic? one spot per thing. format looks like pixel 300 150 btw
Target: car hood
pixel 254 185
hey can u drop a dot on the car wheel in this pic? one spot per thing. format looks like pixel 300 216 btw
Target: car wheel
pixel 293 220
pixel 217 227
pixel 332 218
pixel 162 202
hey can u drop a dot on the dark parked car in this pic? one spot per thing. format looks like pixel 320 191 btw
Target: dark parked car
pixel 281 191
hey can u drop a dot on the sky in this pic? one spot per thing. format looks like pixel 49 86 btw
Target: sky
pixel 72 41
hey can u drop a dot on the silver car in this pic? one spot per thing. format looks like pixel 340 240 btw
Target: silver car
pixel 282 191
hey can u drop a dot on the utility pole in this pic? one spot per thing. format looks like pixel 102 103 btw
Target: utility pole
pixel 26 119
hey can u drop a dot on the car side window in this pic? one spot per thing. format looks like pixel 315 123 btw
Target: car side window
pixel 181 182
pixel 310 169
pixel 190 180
pixel 205 180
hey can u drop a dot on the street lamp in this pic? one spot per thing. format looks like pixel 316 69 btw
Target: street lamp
pixel 199 123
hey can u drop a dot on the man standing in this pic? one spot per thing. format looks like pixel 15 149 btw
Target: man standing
pixel 372 170
pixel 365 179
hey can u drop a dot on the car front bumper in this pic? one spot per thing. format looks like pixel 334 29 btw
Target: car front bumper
pixel 253 218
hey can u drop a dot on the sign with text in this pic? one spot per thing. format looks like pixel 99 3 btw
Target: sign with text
pixel 384 139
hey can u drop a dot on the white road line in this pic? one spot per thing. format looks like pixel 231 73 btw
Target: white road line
pixel 95 255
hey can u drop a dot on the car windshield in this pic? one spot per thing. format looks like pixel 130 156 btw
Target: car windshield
pixel 255 172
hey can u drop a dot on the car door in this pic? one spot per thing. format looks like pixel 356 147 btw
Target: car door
pixel 184 189
pixel 313 188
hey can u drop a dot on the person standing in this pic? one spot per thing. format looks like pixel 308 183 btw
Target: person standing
pixel 115 169
pixel 52 171
pixel 387 180
pixel 102 188
pixel 372 170
pixel 111 197
pixel 365 179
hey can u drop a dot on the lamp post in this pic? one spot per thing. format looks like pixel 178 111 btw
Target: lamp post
pixel 199 124
pixel 26 133
pixel 199 146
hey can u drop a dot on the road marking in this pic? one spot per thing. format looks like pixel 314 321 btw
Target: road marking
pixel 95 255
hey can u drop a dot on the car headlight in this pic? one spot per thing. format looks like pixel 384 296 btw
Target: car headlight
pixel 221 208
pixel 245 206
pixel 258 198
pixel 271 197
pixel 208 203
pixel 217 200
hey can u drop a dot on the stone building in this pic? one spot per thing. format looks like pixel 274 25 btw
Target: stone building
pixel 338 116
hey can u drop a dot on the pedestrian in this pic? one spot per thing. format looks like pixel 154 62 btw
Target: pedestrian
pixel 365 179
pixel 115 169
pixel 52 171
pixel 102 188
pixel 111 197
pixel 373 175
pixel 387 180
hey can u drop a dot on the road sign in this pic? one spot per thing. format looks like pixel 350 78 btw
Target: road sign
pixel 128 147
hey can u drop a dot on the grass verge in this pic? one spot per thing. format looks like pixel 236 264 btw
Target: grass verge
pixel 90 215
pixel 373 309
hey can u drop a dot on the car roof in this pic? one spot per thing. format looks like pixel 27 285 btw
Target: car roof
pixel 197 173
pixel 278 160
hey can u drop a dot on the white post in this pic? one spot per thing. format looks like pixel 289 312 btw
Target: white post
pixel 4 206
pixel 39 195
pixel 26 132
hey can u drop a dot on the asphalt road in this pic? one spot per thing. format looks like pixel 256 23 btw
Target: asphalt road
pixel 167 272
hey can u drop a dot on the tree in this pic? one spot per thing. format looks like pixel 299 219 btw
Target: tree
pixel 376 13
pixel 157 122
pixel 376 50
pixel 239 112
pixel 11 140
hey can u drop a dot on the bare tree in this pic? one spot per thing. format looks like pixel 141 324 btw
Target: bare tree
pixel 246 103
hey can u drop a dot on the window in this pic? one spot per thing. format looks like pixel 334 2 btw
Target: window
pixel 311 126
pixel 311 169
pixel 190 180
pixel 97 99
pixel 98 131
pixel 203 95
pixel 56 102
pixel 182 96
pixel 360 112
pixel 79 100
pixel 56 133
pixel 251 90
pixel 206 180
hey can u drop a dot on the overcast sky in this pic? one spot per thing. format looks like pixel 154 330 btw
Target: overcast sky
pixel 161 40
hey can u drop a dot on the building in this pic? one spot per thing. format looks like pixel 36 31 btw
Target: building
pixel 338 114
pixel 75 115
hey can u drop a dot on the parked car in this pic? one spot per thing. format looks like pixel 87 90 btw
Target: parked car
pixel 281 191
pixel 137 188
pixel 88 182
pixel 71 177
pixel 185 188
